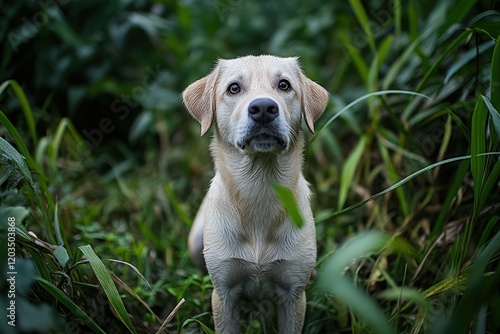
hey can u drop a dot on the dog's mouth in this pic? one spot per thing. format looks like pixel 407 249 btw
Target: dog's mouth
pixel 263 141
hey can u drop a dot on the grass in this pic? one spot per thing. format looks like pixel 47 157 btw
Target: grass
pixel 404 164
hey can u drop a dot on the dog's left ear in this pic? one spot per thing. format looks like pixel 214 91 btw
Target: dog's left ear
pixel 199 99
pixel 314 100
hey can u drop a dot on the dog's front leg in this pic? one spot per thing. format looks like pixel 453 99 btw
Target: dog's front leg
pixel 291 313
pixel 226 313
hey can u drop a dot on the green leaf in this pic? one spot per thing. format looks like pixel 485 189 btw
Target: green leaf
pixel 62 256
pixel 458 12
pixel 348 171
pixel 64 125
pixel 397 7
pixel 360 12
pixel 25 106
pixel 450 49
pixel 351 52
pixel 23 149
pixel 288 201
pixel 19 212
pixel 478 146
pixel 354 248
pixel 465 58
pixel 490 183
pixel 66 301
pixel 205 328
pixel 177 205
pixel 57 228
pixel 109 287
pixel 453 192
pixel 10 153
pixel 332 280
pixel 494 115
pixel 384 50
pixel 495 76
pixel 480 290
pixel 393 176
pixel 400 183
pixel 360 99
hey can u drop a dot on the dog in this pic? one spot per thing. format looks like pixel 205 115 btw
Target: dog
pixel 242 232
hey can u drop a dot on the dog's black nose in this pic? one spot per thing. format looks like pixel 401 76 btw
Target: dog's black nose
pixel 263 110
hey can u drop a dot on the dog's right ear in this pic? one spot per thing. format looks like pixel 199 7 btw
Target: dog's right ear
pixel 199 99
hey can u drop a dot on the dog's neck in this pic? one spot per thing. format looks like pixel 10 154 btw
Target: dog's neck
pixel 262 169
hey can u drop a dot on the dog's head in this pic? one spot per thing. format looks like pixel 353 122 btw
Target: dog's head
pixel 257 102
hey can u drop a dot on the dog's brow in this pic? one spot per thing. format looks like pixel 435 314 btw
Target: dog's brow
pixel 237 77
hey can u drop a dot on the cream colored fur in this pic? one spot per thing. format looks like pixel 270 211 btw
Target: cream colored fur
pixel 250 246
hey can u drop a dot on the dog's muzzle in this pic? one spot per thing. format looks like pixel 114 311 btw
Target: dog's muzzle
pixel 264 132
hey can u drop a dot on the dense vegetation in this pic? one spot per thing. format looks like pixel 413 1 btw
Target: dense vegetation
pixel 102 168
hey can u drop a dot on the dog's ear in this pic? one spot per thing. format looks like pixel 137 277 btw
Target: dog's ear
pixel 199 99
pixel 314 100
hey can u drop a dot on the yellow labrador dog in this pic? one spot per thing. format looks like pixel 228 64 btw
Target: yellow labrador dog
pixel 250 246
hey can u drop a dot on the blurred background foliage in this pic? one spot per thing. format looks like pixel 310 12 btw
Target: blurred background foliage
pixel 112 159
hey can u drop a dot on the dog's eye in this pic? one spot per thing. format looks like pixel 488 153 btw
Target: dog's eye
pixel 284 85
pixel 234 88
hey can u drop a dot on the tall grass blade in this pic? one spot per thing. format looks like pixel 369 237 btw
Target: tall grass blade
pixel 495 76
pixel 177 205
pixel 465 58
pixel 360 12
pixel 360 99
pixel 66 301
pixel 57 228
pixel 480 289
pixel 348 171
pixel 458 12
pixel 31 164
pixel 64 125
pixel 108 286
pixel 490 183
pixel 25 106
pixel 452 193
pixel 137 271
pixel 205 328
pixel 478 146
pixel 398 64
pixel 398 9
pixel 393 175
pixel 405 180
pixel 494 116
pixel 171 316
pixel 450 49
pixel 134 294
pixel 353 53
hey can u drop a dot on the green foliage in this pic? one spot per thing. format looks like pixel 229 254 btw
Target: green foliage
pixel 98 155
pixel 287 198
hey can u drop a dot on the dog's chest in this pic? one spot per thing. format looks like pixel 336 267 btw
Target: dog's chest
pixel 268 280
